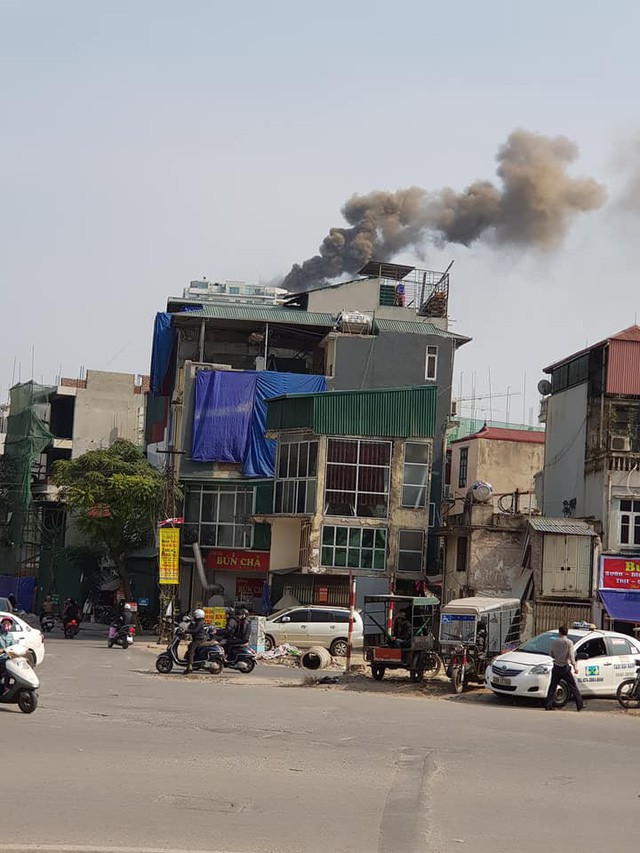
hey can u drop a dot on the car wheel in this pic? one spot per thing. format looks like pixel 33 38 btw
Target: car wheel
pixel 31 657
pixel 269 643
pixel 338 648
pixel 377 672
pixel 561 696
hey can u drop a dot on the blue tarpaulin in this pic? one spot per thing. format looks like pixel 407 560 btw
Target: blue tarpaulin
pixel 260 458
pixel 222 411
pixel 624 606
pixel 163 340
pixel 22 588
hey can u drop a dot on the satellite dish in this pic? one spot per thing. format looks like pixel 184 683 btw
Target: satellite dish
pixel 544 387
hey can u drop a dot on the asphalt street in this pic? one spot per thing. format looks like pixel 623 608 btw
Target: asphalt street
pixel 117 757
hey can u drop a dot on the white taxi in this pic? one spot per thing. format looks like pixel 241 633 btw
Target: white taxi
pixel 30 638
pixel 604 659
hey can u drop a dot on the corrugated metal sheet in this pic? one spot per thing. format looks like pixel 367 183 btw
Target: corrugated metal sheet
pixel 416 327
pixel 561 525
pixel 390 412
pixel 623 367
pixel 263 314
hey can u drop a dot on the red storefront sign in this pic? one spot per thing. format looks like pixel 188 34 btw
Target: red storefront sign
pixel 231 560
pixel 620 573
pixel 248 588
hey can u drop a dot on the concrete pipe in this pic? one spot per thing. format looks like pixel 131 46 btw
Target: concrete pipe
pixel 316 658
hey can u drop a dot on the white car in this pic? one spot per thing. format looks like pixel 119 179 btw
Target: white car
pixel 604 659
pixel 30 638
pixel 313 625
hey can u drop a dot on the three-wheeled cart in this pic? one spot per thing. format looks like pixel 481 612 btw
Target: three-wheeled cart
pixel 398 634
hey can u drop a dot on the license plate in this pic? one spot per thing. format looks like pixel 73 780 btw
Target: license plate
pixel 504 682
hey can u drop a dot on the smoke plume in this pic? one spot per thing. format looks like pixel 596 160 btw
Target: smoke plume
pixel 532 206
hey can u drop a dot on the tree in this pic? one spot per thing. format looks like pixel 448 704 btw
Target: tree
pixel 115 497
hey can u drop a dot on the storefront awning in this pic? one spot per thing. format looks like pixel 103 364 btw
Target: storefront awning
pixel 624 606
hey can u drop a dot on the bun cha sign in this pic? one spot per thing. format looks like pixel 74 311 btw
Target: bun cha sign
pixel 232 560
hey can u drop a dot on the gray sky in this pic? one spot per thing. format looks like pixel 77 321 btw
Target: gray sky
pixel 147 143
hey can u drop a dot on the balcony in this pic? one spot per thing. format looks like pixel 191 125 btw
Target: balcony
pixel 45 492
pixel 624 462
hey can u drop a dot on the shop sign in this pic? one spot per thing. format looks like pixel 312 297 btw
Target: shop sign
pixel 216 616
pixel 231 560
pixel 621 573
pixel 168 555
pixel 248 588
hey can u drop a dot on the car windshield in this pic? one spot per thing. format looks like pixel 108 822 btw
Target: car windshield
pixel 541 645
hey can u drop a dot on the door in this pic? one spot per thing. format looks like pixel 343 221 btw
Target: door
pixel 322 628
pixel 577 564
pixel 553 563
pixel 595 667
pixel 623 656
pixel 294 627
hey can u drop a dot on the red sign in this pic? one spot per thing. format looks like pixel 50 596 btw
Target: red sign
pixel 248 588
pixel 228 560
pixel 620 573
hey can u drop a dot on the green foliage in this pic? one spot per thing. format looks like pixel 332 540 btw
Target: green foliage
pixel 114 495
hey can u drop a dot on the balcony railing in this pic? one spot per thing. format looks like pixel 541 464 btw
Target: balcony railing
pixel 624 462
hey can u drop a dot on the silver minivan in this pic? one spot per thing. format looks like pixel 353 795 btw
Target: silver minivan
pixel 313 625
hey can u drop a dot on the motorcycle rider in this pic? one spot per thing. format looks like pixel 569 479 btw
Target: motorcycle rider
pixel 198 631
pixel 6 640
pixel 240 633
pixel 46 608
pixel 125 616
pixel 70 612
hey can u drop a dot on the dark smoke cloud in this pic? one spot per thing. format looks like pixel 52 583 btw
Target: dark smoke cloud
pixel 533 206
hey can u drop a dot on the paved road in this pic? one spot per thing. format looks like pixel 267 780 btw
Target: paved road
pixel 118 757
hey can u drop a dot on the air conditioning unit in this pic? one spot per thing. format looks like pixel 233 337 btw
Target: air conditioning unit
pixel 620 443
pixel 446 492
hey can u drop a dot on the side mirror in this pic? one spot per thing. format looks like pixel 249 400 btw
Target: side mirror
pixel 285 619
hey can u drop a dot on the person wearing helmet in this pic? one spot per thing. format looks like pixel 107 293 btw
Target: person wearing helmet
pixel 70 612
pixel 241 631
pixel 6 641
pixel 198 631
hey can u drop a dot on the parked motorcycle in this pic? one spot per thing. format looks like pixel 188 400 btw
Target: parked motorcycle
pixel 122 636
pixel 209 657
pixel 21 684
pixel 628 693
pixel 48 623
pixel 71 628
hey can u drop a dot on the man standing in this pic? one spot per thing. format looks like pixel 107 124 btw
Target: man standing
pixel 564 661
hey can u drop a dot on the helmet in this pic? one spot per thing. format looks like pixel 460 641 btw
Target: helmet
pixel 127 607
pixel 198 614
pixel 242 611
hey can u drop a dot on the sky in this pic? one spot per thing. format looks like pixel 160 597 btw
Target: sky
pixel 147 143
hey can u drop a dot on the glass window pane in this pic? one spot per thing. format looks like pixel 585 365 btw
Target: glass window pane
pixel 283 460
pixel 375 453
pixel 408 561
pixel 414 452
pixel 411 540
pixel 380 539
pixel 310 506
pixel 624 530
pixel 342 452
pixel 415 474
pixel 414 496
pixel 303 459
pixel 354 537
pixel 372 479
pixel 341 478
pixel 209 506
pixel 313 458
pixel 293 460
pixel 328 535
pixel 340 559
pixel 278 498
pixel 366 559
pixel 225 535
pixel 301 498
pixel 371 506
pixel 367 538
pixel 208 535
pixel 227 510
pixel 378 560
pixel 327 556
pixel 625 506
pixel 636 530
pixel 353 558
pixel 341 535
pixel 192 505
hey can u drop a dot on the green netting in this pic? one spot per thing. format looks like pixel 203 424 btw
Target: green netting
pixel 27 437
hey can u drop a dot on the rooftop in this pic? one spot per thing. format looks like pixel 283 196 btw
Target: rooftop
pixel 630 334
pixel 569 526
pixel 505 434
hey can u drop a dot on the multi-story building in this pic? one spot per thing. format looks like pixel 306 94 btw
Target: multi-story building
pixel 485 528
pixel 352 484
pixel 591 407
pixel 387 329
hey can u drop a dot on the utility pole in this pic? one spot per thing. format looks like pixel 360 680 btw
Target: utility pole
pixel 168 592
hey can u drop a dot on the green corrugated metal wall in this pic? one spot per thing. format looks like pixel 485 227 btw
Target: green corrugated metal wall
pixel 400 412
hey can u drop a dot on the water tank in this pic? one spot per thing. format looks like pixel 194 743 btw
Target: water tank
pixel 481 492
pixel 354 322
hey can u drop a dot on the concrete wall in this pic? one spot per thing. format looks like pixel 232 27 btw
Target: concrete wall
pixel 107 409
pixel 285 542
pixel 565 442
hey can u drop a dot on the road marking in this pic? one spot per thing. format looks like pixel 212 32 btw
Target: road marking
pixel 404 813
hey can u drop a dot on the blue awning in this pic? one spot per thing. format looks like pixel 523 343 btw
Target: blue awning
pixel 624 606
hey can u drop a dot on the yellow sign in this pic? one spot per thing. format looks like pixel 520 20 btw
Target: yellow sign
pixel 215 616
pixel 169 555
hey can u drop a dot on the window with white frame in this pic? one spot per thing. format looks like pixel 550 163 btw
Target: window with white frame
pixel 410 550
pixel 431 364
pixel 629 522
pixel 357 478
pixel 296 473
pixel 354 547
pixel 415 474
pixel 220 515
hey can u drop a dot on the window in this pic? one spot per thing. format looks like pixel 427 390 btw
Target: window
pixel 629 522
pixel 415 474
pixel 592 649
pixel 296 472
pixel 296 616
pixel 357 479
pixel 431 364
pixel 325 616
pixel 463 467
pixel 410 550
pixel 354 547
pixel 461 554
pixel 220 515
pixel 620 646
